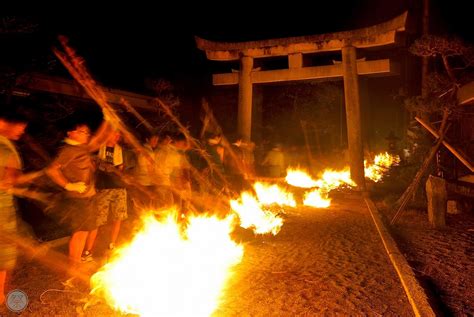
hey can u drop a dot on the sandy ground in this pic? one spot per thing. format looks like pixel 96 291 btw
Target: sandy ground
pixel 324 262
pixel 443 260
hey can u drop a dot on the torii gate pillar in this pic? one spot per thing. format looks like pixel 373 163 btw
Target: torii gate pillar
pixel 353 116
pixel 380 35
pixel 244 120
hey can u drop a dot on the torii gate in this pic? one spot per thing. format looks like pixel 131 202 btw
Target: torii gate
pixel 294 47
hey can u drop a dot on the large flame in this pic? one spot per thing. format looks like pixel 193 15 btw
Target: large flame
pixel 299 178
pixel 170 271
pixel 382 162
pixel 268 194
pixel 317 198
pixel 253 215
pixel 331 179
pixel 166 271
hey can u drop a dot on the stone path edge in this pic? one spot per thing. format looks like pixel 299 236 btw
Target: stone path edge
pixel 415 293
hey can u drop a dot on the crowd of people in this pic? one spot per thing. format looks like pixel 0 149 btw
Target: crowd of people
pixel 101 179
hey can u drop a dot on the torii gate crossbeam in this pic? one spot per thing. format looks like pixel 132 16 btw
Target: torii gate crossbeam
pixel 346 42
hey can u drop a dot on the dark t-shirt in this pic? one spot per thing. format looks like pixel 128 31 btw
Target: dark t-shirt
pixel 105 179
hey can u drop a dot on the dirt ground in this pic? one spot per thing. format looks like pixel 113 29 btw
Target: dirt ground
pixel 443 260
pixel 324 262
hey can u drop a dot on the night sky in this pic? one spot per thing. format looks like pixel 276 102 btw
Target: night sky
pixel 124 46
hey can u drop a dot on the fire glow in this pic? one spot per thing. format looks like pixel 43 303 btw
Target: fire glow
pixel 331 179
pixel 167 271
pixel 318 195
pixel 268 194
pixel 317 198
pixel 382 162
pixel 253 215
pixel 299 178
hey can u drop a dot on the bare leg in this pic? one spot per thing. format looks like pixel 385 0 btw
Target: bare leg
pixel 76 245
pixel 91 239
pixel 115 231
pixel 3 277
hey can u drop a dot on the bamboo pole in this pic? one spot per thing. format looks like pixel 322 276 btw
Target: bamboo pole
pixel 75 65
pixel 132 110
pixel 451 148
pixel 411 189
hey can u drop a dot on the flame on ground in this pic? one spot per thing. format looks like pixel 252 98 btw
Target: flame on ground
pixel 299 178
pixel 253 215
pixel 317 198
pixel 166 271
pixel 382 162
pixel 331 179
pixel 268 194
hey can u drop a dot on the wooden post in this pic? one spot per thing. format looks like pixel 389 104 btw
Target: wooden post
pixel 295 60
pixel 353 116
pixel 245 98
pixel 437 199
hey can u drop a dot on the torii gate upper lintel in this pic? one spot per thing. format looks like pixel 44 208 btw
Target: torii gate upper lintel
pixel 347 42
